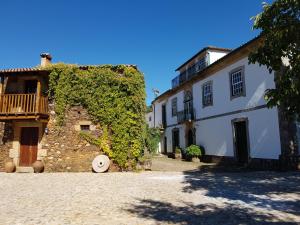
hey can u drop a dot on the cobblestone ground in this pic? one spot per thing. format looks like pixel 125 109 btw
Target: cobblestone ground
pixel 150 198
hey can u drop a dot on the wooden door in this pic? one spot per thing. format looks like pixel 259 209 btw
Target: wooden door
pixel 28 145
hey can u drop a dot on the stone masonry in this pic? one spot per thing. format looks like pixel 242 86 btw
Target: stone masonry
pixel 63 148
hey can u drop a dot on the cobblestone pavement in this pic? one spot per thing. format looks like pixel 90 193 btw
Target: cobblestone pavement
pixel 163 163
pixel 150 198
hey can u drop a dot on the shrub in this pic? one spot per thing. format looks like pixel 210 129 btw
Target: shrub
pixel 178 150
pixel 152 139
pixel 193 151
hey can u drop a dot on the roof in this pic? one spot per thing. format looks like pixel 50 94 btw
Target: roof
pixel 203 50
pixel 35 69
pixel 215 64
pixel 20 70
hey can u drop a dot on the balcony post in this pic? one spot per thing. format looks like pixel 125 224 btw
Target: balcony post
pixel 38 96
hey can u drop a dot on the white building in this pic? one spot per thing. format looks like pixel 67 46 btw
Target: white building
pixel 149 118
pixel 217 101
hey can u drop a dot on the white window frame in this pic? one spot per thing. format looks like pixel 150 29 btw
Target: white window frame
pixel 237 82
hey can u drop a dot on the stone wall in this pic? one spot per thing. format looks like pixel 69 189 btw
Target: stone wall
pixel 6 138
pixel 66 150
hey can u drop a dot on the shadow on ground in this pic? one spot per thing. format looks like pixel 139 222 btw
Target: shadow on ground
pixel 245 198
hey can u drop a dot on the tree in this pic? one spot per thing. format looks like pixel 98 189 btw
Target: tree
pixel 280 31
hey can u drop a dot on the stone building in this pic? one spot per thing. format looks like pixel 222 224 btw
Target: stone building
pixel 27 125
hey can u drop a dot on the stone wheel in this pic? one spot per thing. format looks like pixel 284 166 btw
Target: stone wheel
pixel 101 163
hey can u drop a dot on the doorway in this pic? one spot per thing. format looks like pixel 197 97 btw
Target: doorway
pixel 28 145
pixel 190 138
pixel 175 139
pixel 165 145
pixel 241 141
pixel 164 115
pixel 30 86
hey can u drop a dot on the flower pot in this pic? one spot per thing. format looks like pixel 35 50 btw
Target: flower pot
pixel 10 167
pixel 148 164
pixel 38 166
pixel 178 156
pixel 195 159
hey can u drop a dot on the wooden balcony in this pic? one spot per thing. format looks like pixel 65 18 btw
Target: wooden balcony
pixel 23 106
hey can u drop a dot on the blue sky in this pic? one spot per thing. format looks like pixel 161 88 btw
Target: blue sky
pixel 156 35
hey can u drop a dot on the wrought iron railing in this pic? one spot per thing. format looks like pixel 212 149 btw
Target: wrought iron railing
pixel 189 73
pixel 185 116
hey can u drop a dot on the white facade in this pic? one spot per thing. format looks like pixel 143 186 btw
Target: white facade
pixel 149 117
pixel 213 125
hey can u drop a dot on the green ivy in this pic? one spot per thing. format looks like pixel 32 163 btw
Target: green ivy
pixel 114 97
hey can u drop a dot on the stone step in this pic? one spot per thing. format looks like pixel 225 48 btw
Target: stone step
pixel 23 169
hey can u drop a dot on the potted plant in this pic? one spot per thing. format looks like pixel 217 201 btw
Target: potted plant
pixel 193 152
pixel 178 153
pixel 145 162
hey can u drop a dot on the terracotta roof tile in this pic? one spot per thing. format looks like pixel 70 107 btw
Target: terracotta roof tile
pixel 16 70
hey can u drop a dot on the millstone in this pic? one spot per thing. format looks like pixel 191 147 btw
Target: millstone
pixel 101 163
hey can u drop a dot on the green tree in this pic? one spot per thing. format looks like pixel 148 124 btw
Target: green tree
pixel 280 33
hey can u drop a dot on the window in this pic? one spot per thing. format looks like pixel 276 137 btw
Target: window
pixel 207 94
pixel 174 106
pixel 149 118
pixel 237 82
pixel 85 127
pixel 201 64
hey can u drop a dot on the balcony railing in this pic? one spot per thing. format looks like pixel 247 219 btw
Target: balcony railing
pixel 23 104
pixel 185 116
pixel 189 73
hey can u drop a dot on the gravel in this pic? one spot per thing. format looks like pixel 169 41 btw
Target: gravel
pixel 150 198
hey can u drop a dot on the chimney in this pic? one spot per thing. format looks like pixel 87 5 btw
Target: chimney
pixel 45 59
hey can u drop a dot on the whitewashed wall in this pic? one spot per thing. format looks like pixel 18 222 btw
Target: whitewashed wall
pixel 216 134
pixel 149 117
pixel 257 80
pixel 214 56
pixel 168 134
pixel 171 120
pixel 217 138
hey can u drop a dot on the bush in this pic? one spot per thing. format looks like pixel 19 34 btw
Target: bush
pixel 178 150
pixel 152 139
pixel 194 151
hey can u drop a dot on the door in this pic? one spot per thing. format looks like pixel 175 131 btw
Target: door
pixel 241 141
pixel 175 139
pixel 30 101
pixel 164 115
pixel 190 139
pixel 30 86
pixel 28 145
pixel 165 145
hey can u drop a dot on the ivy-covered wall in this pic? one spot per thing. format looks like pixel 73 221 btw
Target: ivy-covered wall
pixel 114 97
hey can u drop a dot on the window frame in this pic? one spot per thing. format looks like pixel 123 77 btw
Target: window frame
pixel 210 82
pixel 174 111
pixel 83 127
pixel 243 93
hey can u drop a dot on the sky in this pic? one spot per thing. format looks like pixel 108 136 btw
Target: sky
pixel 156 35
